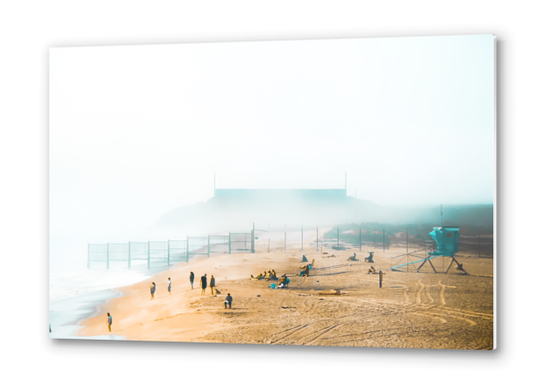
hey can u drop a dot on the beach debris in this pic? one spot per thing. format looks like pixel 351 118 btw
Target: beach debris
pixel 333 292
pixel 325 253
pixel 257 295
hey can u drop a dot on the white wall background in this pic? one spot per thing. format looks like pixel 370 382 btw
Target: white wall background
pixel 29 28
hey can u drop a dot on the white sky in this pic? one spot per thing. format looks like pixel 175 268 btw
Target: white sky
pixel 138 130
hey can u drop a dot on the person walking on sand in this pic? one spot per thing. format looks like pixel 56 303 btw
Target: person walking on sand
pixel 227 301
pixel 192 279
pixel 169 285
pixel 109 321
pixel 203 284
pixel 212 285
pixel 153 289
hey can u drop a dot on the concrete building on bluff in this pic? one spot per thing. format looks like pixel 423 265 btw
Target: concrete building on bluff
pixel 336 195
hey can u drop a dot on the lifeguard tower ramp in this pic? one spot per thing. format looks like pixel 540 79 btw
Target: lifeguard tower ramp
pixel 447 242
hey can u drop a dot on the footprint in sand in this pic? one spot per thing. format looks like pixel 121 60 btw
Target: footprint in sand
pixel 404 293
pixel 441 293
pixel 419 292
pixel 429 297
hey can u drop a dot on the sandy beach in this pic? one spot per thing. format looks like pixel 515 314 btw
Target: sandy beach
pixel 411 310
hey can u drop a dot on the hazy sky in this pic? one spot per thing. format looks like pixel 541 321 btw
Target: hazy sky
pixel 138 130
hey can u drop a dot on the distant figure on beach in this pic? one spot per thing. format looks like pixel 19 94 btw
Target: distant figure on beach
pixel 169 285
pixel 203 284
pixel 153 289
pixel 192 279
pixel 109 321
pixel 228 301
pixel 371 271
pixel 212 284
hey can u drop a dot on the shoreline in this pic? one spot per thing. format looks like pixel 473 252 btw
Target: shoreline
pixel 66 314
pixel 68 322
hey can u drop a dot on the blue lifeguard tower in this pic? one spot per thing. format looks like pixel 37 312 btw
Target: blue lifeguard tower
pixel 447 241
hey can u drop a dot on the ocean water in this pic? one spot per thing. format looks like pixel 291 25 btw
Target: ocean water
pixel 75 294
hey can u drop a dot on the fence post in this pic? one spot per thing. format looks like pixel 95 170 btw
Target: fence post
pixel 407 240
pixel 148 255
pixel 187 249
pixel 252 240
pixel 229 242
pixel 168 253
pixel 129 256
pixel 302 238
pixel 284 238
pixel 360 237
pixel 107 255
pixel 208 246
pixel 316 238
pixel 383 244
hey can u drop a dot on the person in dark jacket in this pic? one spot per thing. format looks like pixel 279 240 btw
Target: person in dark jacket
pixel 227 301
pixel 203 284
pixel 192 279
pixel 212 284
pixel 153 289
pixel 169 285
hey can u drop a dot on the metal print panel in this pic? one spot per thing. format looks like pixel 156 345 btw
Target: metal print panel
pixel 320 192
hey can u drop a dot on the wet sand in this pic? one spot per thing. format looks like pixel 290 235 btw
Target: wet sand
pixel 411 310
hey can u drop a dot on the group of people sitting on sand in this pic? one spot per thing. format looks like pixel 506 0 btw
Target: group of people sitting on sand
pixel 272 275
pixel 266 275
